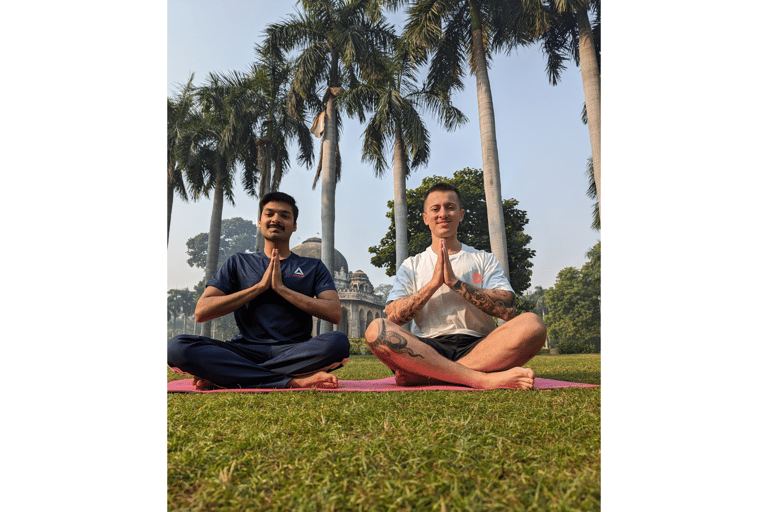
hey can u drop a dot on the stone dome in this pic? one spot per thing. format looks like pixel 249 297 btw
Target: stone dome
pixel 360 279
pixel 311 248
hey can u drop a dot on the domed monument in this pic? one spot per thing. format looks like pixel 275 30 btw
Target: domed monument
pixel 311 248
pixel 359 305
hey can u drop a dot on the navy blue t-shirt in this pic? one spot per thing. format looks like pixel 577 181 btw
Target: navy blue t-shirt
pixel 269 318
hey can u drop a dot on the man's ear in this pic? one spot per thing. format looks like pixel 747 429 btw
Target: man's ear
pixel 461 215
pixel 424 218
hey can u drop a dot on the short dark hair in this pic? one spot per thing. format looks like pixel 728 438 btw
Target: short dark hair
pixel 444 187
pixel 281 197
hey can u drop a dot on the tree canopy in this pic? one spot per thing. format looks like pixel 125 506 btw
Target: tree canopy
pixel 574 304
pixel 472 231
pixel 237 235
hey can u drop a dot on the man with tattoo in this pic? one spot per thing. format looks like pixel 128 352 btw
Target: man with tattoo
pixel 452 292
pixel 274 294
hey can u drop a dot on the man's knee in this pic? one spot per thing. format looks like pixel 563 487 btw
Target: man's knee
pixel 338 344
pixel 333 345
pixel 177 351
pixel 373 330
pixel 534 327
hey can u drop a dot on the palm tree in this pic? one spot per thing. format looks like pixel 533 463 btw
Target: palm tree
pixel 571 35
pixel 175 307
pixel 460 31
pixel 395 101
pixel 592 194
pixel 217 143
pixel 270 80
pixel 179 109
pixel 338 41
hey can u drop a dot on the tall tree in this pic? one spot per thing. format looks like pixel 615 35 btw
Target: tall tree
pixel 571 35
pixel 473 230
pixel 180 110
pixel 270 80
pixel 219 139
pixel 592 194
pixel 397 125
pixel 175 307
pixel 339 43
pixel 457 32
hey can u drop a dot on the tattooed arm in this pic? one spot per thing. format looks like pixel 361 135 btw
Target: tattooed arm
pixel 498 303
pixel 403 310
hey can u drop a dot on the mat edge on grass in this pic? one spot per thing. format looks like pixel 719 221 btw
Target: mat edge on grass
pixel 378 385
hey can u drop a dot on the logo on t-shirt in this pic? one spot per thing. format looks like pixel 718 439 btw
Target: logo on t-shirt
pixel 298 272
pixel 477 278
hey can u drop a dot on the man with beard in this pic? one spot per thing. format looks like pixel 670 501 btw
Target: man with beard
pixel 274 294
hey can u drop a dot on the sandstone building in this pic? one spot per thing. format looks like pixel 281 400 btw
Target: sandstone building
pixel 359 305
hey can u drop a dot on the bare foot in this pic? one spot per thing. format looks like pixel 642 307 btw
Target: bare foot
pixel 520 378
pixel 403 378
pixel 322 380
pixel 202 384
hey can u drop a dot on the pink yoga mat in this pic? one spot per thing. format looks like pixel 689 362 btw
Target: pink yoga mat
pixel 386 384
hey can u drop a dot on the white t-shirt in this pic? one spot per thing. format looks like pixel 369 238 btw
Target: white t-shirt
pixel 447 312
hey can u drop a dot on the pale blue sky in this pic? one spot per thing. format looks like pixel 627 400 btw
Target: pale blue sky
pixel 684 181
pixel 543 148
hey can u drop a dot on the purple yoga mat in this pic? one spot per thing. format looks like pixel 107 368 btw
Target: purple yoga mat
pixel 386 384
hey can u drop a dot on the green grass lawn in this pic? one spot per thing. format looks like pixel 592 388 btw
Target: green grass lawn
pixel 421 450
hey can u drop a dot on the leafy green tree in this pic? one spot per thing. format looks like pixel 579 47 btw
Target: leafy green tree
pixel 571 35
pixel 574 304
pixel 237 235
pixel 473 230
pixel 180 112
pixel 468 32
pixel 339 43
pixel 396 125
pixel 383 290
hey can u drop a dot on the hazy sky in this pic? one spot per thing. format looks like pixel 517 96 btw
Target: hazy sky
pixel 685 178
pixel 543 148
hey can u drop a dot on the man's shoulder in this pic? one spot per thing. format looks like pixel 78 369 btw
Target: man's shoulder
pixel 305 260
pixel 471 250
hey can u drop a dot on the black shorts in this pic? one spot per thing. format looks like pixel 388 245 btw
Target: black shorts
pixel 453 346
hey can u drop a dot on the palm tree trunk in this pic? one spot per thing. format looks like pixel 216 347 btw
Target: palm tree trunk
pixel 265 181
pixel 328 195
pixel 491 178
pixel 214 239
pixel 590 77
pixel 169 202
pixel 401 206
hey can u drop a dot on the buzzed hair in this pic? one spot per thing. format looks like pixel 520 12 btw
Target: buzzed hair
pixel 443 187
pixel 280 197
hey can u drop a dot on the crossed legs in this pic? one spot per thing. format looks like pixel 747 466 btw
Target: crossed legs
pixel 495 362
pixel 214 363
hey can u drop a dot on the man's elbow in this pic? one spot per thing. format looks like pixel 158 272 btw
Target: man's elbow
pixel 200 315
pixel 335 315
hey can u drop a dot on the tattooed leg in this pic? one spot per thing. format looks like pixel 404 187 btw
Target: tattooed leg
pixel 416 361
pixel 393 341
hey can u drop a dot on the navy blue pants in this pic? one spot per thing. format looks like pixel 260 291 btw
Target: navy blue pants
pixel 244 364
